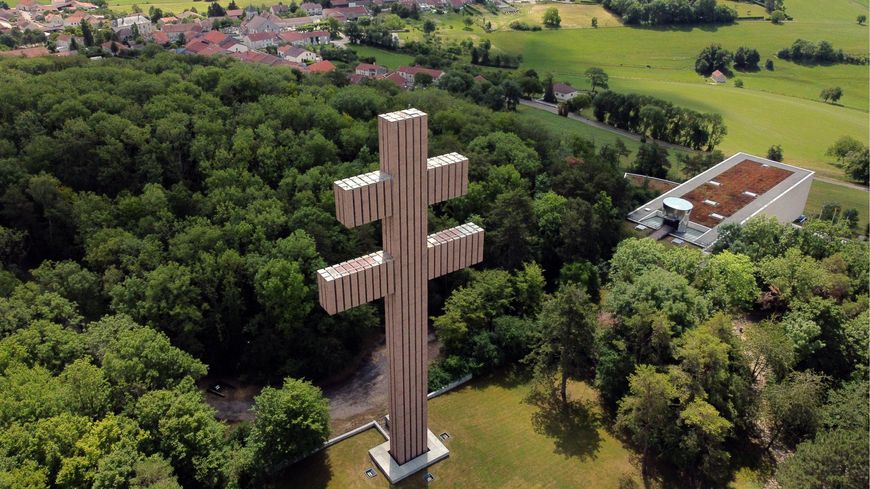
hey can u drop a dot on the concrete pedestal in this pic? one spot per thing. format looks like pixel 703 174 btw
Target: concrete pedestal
pixel 395 472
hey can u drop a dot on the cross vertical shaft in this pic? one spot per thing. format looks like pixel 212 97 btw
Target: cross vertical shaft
pixel 403 142
pixel 399 194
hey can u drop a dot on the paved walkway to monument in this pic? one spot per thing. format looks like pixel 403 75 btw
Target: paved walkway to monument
pixel 362 396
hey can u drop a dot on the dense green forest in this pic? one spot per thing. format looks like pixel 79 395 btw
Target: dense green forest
pixel 185 200
pixel 162 218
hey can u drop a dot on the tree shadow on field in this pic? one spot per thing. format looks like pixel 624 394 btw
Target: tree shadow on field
pixel 573 426
pixel 312 472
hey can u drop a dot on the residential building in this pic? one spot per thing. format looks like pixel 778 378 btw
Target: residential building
pixel 297 54
pixel 302 39
pixel 370 70
pixel 259 40
pixel 312 8
pixel 294 23
pixel 279 9
pixel 63 42
pixel 77 17
pixel 123 27
pixel 27 6
pixel 400 80
pixel 564 92
pixel 160 37
pixel 408 73
pixel 349 13
pixel 259 24
pixel 189 31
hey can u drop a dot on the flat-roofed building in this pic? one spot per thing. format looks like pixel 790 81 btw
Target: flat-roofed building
pixel 733 191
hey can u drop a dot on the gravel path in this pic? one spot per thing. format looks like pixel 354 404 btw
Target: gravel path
pixel 356 400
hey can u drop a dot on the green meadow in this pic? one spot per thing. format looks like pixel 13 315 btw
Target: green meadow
pixel 774 107
pixel 390 59
pixel 823 192
pixel 497 440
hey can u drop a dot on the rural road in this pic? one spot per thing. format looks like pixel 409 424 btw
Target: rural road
pixel 600 125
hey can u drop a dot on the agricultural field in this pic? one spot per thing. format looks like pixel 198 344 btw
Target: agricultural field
pixel 574 15
pixel 774 107
pixel 126 6
pixel 497 440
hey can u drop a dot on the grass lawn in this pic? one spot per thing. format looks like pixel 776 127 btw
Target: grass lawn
pixel 497 441
pixel 745 9
pixel 823 192
pixel 775 107
pixel 390 59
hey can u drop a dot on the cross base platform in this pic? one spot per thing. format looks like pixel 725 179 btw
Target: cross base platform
pixel 395 472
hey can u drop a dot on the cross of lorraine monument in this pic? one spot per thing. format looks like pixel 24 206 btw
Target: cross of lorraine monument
pixel 399 194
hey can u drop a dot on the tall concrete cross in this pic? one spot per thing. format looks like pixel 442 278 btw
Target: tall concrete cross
pixel 399 194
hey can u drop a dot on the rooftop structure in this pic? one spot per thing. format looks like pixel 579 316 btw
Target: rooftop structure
pixel 733 191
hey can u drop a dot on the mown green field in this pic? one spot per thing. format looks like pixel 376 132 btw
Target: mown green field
pixel 775 107
pixel 390 59
pixel 820 193
pixel 497 440
pixel 824 192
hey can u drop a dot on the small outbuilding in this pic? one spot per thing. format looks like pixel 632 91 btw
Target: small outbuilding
pixel 718 77
pixel 564 92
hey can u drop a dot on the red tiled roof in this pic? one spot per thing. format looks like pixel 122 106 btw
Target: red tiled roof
pixel 291 36
pixel 182 28
pixel 396 78
pixel 293 51
pixel 413 70
pixel 369 67
pixel 160 37
pixel 260 36
pixel 324 66
pixel 357 10
pixel 214 36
